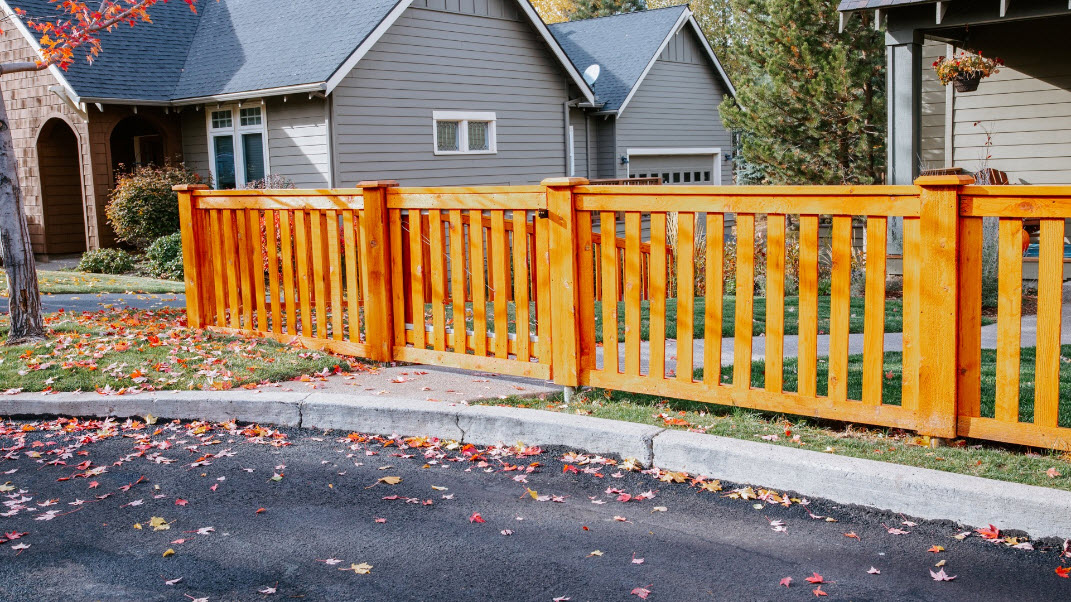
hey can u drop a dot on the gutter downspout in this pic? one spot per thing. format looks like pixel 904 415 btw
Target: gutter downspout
pixel 565 116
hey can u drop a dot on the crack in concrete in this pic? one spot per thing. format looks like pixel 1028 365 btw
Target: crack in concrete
pixel 648 443
pixel 457 423
pixel 301 410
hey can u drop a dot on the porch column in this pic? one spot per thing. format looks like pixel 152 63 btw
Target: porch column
pixel 903 55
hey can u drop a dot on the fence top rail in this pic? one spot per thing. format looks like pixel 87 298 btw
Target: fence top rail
pixel 306 192
pixel 829 204
pixel 286 202
pixel 1016 201
pixel 474 197
pixel 760 191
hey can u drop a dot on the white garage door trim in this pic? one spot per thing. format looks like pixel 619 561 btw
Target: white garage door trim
pixel 714 152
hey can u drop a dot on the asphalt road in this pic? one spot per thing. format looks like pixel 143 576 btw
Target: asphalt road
pixel 422 538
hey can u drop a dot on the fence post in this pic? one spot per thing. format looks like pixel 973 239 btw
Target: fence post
pixel 564 290
pixel 190 252
pixel 939 307
pixel 375 238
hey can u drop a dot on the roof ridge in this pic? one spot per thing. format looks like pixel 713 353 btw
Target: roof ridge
pixel 635 12
pixel 189 48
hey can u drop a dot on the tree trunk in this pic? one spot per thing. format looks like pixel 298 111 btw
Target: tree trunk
pixel 24 298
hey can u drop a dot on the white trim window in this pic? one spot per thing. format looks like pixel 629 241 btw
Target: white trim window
pixel 464 133
pixel 237 145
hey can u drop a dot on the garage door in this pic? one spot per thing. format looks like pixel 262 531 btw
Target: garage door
pixel 674 169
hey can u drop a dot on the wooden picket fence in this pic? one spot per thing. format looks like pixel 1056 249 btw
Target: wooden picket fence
pixel 509 279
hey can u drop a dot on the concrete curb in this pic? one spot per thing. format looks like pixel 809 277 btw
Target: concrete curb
pixel 918 492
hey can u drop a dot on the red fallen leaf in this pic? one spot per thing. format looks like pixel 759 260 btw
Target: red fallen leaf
pixel 260 510
pixel 815 578
pixel 818 592
pixel 852 535
pixel 570 468
pixel 989 532
pixel 93 484
pixel 787 581
pixel 1064 571
pixel 476 518
pixel 641 592
pixel 1052 472
pixel 213 488
pixel 181 502
pixel 624 497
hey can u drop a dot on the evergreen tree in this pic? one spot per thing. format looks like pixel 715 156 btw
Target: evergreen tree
pixel 810 105
pixel 587 9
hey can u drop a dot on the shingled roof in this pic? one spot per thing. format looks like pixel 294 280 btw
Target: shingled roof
pixel 622 45
pixel 229 46
pixel 850 5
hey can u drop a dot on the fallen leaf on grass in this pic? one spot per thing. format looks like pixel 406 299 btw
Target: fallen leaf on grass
pixel 1052 472
pixel 941 575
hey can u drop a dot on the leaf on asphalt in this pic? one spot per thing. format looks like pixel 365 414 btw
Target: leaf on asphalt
pixel 962 536
pixel 897 531
pixel 941 575
pixel 711 486
pixel 786 581
pixel 815 578
pixel 941 563
pixel 181 502
pixel 506 532
pixel 329 561
pixel 169 552
pixel 935 549
pixel 673 477
pixel 621 519
pixel 268 590
pixel 158 524
pixel 172 581
pixel 641 592
pixel 873 571
pixel 561 599
pixel 437 488
pixel 818 592
pixel 852 535
pixel 1064 571
pixel 658 509
pixel 361 569
pixel 636 560
pixel 989 532
pixel 476 518
pixel 260 511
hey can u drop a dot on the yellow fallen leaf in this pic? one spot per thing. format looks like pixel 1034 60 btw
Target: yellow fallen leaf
pixel 361 569
pixel 437 488
pixel 137 525
pixel 658 509
pixel 595 553
pixel 7 487
pixel 942 563
pixel 388 480
pixel 150 419
pixel 169 552
pixel 158 524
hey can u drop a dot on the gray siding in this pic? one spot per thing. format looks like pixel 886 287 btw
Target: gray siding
pixel 481 57
pixel 1026 107
pixel 933 108
pixel 676 105
pixel 606 146
pixel 297 140
pixel 195 140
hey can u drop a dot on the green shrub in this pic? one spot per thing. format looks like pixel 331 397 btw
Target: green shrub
pixel 107 261
pixel 143 207
pixel 164 257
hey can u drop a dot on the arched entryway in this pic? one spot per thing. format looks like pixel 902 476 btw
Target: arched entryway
pixel 135 142
pixel 61 188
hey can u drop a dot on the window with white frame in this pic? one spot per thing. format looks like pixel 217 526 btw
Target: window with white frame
pixel 237 145
pixel 464 133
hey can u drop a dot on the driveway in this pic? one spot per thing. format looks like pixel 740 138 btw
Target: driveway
pixel 195 511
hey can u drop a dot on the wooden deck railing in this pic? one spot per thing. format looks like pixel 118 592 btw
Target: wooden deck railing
pixel 391 273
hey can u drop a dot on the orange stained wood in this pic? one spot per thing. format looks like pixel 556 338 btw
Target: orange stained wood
pixel 191 267
pixel 712 326
pixel 587 279
pixel 219 242
pixel 685 295
pixel 1050 293
pixel 416 277
pixel 271 235
pixel 457 279
pixel 657 309
pixel 231 253
pixel 775 301
pixel 353 309
pixel 245 269
pixel 334 264
pixel 437 274
pixel 500 281
pixel 399 276
pixel 520 283
pixel 874 310
pixel 1009 318
pixel 321 274
pixel 969 356
pixel 544 311
pixel 301 256
pixel 257 271
pixel 912 268
pixel 745 293
pixel 808 316
pixel 608 223
pixel 840 307
pixel 632 292
pixel 477 259
pixel 289 285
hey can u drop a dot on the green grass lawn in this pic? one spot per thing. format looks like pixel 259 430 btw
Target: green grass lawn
pixel 79 282
pixel 149 349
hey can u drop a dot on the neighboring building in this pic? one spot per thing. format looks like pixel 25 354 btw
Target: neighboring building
pixel 660 84
pixel 326 94
pixel 1018 121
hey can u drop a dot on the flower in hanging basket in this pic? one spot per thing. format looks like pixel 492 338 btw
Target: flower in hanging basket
pixel 966 70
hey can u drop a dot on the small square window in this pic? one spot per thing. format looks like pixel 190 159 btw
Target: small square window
pixel 665 178
pixel 478 135
pixel 706 176
pixel 446 135
pixel 676 177
pixel 697 178
pixel 250 116
pixel 687 176
pixel 221 119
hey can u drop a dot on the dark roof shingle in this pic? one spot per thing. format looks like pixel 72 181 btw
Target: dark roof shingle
pixel 850 5
pixel 622 45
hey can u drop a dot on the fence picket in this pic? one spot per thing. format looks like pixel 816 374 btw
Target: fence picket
pixel 416 277
pixel 544 322
pixel 245 281
pixel 289 285
pixel 335 274
pixel 658 293
pixel 715 297
pixel 457 281
pixel 775 302
pixel 840 307
pixel 520 285
pixel 1009 318
pixel 807 362
pixel 437 276
pixel 499 253
pixel 607 228
pixel 685 295
pixel 874 310
pixel 1050 293
pixel 632 292
pixel 399 281
pixel 317 240
pixel 231 254
pixel 349 239
pixel 912 268
pixel 271 237
pixel 745 293
pixel 218 242
pixel 477 261
pixel 587 264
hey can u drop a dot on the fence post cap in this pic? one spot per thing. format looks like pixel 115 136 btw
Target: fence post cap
pixel 189 187
pixel 950 180
pixel 377 183
pixel 564 182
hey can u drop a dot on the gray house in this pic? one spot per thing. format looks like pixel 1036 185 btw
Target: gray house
pixel 326 94
pixel 659 88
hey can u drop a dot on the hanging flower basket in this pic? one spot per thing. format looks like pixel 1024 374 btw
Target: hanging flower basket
pixel 966 70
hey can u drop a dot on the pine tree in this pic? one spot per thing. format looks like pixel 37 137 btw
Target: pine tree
pixel 810 105
pixel 587 9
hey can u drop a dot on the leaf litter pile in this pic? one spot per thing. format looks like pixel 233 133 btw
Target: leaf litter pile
pixel 121 351
pixel 211 460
